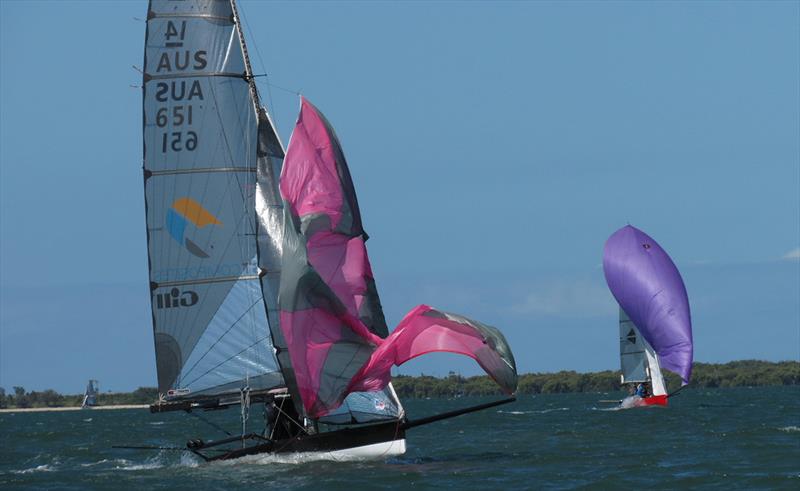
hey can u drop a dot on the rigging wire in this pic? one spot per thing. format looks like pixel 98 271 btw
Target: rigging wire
pixel 243 18
pixel 210 423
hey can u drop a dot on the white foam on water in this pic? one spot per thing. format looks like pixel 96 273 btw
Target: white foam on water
pixel 631 401
pixel 790 429
pixel 543 411
pixel 156 423
pixel 88 420
pixel 107 461
pixel 38 468
pixel 155 462
pixel 189 460
pixel 298 458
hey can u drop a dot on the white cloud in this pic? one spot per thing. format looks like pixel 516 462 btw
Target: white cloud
pixel 793 255
pixel 578 298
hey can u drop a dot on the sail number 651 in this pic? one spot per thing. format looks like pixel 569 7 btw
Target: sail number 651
pixel 178 141
pixel 179 115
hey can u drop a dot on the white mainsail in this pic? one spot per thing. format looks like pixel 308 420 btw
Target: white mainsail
pixel 208 147
pixel 638 360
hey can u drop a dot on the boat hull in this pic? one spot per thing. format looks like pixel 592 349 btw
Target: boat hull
pixel 368 442
pixel 636 401
pixel 655 401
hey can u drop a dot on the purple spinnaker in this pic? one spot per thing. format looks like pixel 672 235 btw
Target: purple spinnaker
pixel 649 288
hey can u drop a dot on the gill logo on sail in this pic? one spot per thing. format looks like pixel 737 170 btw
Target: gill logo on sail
pixel 176 298
pixel 184 211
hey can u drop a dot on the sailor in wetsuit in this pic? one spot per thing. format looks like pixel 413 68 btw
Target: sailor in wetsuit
pixel 640 391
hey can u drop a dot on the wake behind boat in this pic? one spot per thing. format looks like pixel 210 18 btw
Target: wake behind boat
pixel 655 328
pixel 262 291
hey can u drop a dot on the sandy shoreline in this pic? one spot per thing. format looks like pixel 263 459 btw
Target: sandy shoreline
pixel 72 408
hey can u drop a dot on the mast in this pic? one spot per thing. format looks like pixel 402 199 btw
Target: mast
pixel 270 219
pixel 248 69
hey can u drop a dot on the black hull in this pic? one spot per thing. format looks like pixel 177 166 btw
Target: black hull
pixel 338 440
pixel 322 442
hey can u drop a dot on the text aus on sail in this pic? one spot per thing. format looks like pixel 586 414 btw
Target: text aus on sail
pixel 178 96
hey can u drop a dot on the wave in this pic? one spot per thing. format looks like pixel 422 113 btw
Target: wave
pixel 38 468
pixel 790 429
pixel 297 458
pixel 542 411
pixel 107 461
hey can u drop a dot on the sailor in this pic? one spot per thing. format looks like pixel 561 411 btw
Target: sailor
pixel 640 390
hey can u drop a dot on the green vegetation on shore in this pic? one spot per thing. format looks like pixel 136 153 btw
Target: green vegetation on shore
pixel 733 374
pixel 50 398
pixel 746 373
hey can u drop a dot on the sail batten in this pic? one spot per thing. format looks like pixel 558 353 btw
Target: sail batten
pixel 202 139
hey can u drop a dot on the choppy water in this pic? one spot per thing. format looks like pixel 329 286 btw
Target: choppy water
pixel 724 438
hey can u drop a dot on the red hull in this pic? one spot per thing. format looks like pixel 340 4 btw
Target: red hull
pixel 655 401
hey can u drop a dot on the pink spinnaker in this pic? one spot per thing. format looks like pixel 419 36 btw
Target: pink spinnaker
pixel 330 312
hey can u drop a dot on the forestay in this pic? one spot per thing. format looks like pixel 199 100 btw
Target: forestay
pixel 210 157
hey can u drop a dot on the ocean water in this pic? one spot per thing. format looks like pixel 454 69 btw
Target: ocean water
pixel 744 438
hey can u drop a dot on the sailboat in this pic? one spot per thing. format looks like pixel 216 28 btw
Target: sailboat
pixel 655 327
pixel 261 288
pixel 90 395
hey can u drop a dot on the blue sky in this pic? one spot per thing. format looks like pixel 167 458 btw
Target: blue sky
pixel 494 147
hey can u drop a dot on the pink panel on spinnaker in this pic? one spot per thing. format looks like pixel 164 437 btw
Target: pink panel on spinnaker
pixel 342 263
pixel 425 330
pixel 309 180
pixel 310 334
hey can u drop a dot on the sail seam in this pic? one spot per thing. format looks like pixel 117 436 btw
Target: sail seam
pixel 222 279
pixel 155 15
pixel 148 77
pixel 170 172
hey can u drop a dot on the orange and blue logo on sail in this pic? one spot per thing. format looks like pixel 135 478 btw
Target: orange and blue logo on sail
pixel 182 212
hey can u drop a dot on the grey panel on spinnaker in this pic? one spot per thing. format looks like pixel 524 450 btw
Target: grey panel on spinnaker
pixel 633 359
pixel 200 165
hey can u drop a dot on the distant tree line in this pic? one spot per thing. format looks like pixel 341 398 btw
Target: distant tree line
pixel 746 373
pixel 50 398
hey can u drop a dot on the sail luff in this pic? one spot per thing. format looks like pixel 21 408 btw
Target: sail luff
pixel 270 219
pixel 248 69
